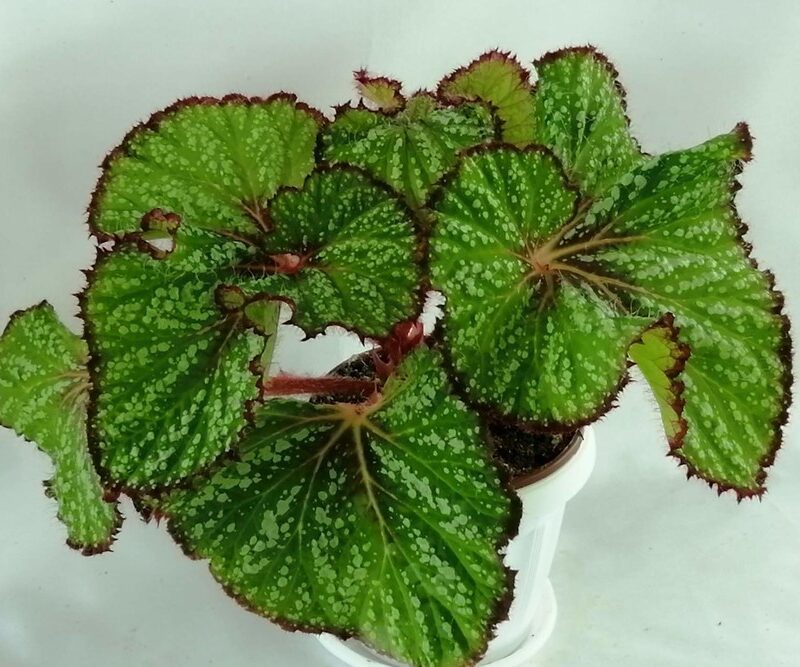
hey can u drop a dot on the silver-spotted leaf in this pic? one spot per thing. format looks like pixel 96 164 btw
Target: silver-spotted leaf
pixel 410 149
pixel 579 113
pixel 43 394
pixel 665 238
pixel 499 79
pixel 352 252
pixel 170 365
pixel 214 162
pixel 381 521
pixel 684 255
pixel 550 350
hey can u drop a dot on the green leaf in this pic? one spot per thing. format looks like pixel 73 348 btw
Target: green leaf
pixel 353 251
pixel 686 256
pixel 382 92
pixel 43 392
pixel 382 520
pixel 665 239
pixel 580 116
pixel 170 360
pixel 215 162
pixel 499 79
pixel 552 352
pixel 410 149
pixel 173 331
pixel 661 358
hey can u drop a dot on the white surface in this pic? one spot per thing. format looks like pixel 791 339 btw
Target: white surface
pixel 531 553
pixel 531 618
pixel 651 570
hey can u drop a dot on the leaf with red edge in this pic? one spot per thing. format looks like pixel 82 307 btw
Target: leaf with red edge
pixel 516 255
pixel 498 78
pixel 383 520
pixel 171 357
pixel 661 358
pixel 409 149
pixel 381 92
pixel 343 250
pixel 214 162
pixel 529 341
pixel 579 107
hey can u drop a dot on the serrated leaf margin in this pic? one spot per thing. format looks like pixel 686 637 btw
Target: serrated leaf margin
pixel 153 123
pixel 492 55
pixel 364 79
pixel 510 531
pixel 602 59
pixel 785 351
pixel 439 338
pixel 324 167
pixel 673 374
pixel 133 240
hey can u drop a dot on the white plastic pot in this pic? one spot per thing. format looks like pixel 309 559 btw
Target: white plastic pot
pixel 532 616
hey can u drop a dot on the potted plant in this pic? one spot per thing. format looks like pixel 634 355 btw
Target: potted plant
pixel 395 498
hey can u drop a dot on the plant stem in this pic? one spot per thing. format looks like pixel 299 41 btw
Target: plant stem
pixel 576 219
pixel 256 212
pixel 269 327
pixel 290 385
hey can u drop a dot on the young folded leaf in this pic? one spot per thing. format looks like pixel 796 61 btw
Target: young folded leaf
pixel 384 93
pixel 43 393
pixel 382 520
pixel 409 149
pixel 214 162
pixel 499 79
pixel 661 358
pixel 579 112
pixel 351 249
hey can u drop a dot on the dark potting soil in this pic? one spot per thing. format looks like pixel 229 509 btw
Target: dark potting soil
pixel 522 452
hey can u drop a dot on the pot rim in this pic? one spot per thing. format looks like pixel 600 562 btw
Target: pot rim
pixel 538 474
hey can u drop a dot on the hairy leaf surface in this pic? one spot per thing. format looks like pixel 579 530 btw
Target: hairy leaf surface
pixel 170 367
pixel 384 93
pixel 173 331
pixel 43 392
pixel 499 79
pixel 687 258
pixel 664 239
pixel 356 247
pixel 550 354
pixel 410 149
pixel 381 521
pixel 215 162
pixel 579 113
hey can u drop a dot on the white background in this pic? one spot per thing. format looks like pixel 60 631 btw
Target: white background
pixel 651 569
